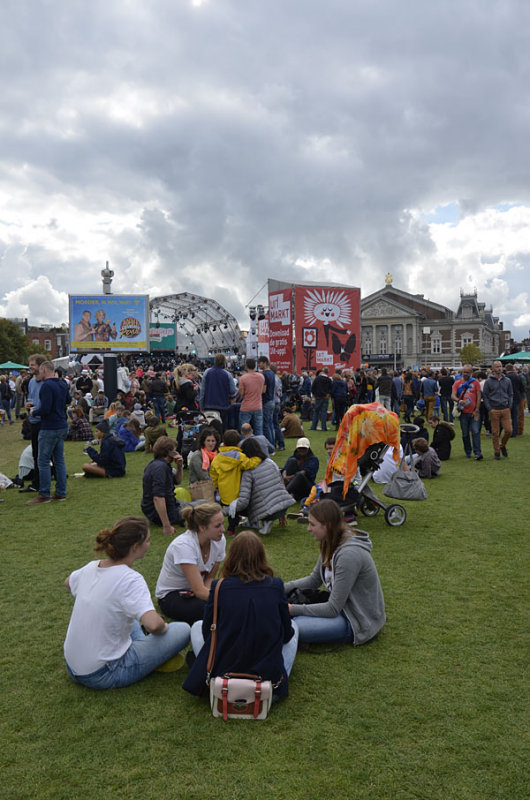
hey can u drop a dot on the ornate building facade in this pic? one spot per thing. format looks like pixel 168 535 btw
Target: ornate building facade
pixel 400 330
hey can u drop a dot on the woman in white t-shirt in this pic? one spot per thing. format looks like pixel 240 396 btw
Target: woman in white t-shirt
pixel 105 647
pixel 191 563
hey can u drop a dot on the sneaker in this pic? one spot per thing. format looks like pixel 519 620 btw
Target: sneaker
pixel 266 527
pixel 230 533
pixel 172 664
pixel 27 490
pixel 497 456
pixel 58 497
pixel 39 500
pixel 479 457
pixel 504 452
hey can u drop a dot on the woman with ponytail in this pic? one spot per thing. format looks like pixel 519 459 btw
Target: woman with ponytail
pixel 105 647
pixel 191 563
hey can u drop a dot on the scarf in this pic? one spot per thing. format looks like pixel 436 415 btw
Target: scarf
pixel 207 458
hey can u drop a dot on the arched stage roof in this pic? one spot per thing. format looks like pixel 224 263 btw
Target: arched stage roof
pixel 202 324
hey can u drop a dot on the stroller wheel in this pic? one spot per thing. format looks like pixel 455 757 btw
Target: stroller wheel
pixel 368 507
pixel 395 515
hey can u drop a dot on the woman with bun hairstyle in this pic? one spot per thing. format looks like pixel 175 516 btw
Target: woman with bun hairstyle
pixel 105 647
pixel 254 630
pixel 191 563
pixel 354 610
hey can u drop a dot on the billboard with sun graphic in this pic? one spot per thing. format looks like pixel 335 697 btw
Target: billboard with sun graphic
pixel 327 327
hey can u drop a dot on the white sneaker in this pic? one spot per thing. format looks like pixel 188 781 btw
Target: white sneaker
pixel 265 527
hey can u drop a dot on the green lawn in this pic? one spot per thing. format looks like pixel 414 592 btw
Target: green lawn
pixel 436 707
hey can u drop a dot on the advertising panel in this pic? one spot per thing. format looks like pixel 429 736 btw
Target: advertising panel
pixel 109 322
pixel 328 327
pixel 281 330
pixel 162 337
pixel 263 337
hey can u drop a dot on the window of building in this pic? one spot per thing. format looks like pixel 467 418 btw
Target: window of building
pixel 397 345
pixel 48 344
pixel 467 338
pixel 367 349
pixel 382 345
pixel 436 344
pixel 35 342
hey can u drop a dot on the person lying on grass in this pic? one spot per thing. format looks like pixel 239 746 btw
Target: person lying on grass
pixel 105 647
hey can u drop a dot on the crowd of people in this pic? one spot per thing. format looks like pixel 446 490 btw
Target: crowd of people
pixel 115 636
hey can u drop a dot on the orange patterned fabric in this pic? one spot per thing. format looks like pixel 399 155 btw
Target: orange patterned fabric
pixel 361 427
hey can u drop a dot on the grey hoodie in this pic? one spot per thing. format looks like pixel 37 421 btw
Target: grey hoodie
pixel 356 590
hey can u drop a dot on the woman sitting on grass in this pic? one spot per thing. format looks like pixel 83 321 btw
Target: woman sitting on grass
pixel 199 462
pixel 105 647
pixel 427 464
pixel 262 494
pixel 131 434
pixel 353 610
pixel 110 461
pixel 254 630
pixel 80 429
pixel 191 563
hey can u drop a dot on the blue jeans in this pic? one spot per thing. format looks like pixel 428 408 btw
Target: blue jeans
pixel 324 629
pixel 51 447
pixel 268 421
pixel 288 650
pixel 320 412
pixel 145 654
pixel 6 405
pixel 255 418
pixel 280 441
pixel 447 408
pixel 471 425
pixel 159 405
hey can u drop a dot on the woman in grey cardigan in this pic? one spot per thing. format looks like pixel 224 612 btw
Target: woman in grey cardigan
pixel 354 611
pixel 262 494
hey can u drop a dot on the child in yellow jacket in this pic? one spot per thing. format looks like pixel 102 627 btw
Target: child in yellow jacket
pixel 226 469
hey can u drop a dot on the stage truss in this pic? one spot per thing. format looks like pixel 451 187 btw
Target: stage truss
pixel 203 326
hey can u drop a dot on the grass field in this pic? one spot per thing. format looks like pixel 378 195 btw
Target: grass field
pixel 436 707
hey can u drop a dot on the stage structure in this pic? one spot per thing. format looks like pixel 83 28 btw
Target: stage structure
pixel 202 326
pixel 312 326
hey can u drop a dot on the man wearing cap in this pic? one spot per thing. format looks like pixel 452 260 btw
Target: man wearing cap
pixel 300 470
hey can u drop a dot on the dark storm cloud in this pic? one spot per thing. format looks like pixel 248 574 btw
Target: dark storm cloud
pixel 247 140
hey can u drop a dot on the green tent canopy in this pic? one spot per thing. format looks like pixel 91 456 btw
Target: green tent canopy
pixel 522 356
pixel 12 365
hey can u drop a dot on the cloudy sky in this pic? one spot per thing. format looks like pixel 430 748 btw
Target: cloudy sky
pixel 206 145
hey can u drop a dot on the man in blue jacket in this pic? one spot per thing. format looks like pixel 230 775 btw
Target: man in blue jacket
pixel 53 399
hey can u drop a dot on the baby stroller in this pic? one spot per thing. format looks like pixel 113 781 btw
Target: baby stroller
pixel 364 436
pixel 189 421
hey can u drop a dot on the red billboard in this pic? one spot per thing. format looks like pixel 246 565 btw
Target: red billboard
pixel 327 327
pixel 281 329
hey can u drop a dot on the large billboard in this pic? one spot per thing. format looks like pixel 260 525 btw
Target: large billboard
pixel 163 336
pixel 109 322
pixel 328 327
pixel 281 329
